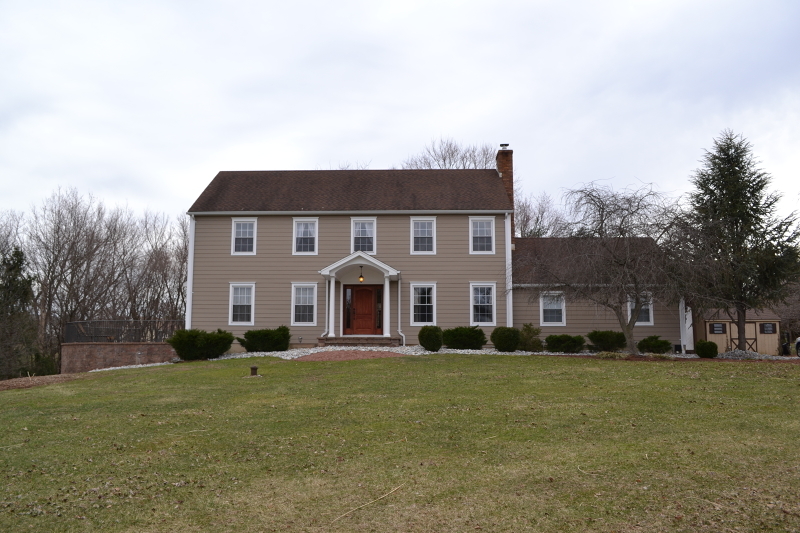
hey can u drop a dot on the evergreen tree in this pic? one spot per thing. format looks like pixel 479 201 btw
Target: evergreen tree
pixel 17 326
pixel 753 254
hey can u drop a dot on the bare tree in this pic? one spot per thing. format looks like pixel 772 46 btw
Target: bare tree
pixel 612 255
pixel 538 216
pixel 447 153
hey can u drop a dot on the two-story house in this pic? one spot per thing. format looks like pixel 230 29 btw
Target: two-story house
pixel 348 254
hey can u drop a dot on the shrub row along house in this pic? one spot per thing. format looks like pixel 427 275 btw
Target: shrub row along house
pixel 371 256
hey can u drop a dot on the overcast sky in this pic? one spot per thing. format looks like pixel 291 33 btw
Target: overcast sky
pixel 142 103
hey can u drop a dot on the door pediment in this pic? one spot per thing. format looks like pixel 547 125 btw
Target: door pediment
pixel 359 259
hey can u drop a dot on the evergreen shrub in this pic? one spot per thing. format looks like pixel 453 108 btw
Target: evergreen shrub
pixel 607 340
pixel 706 349
pixel 464 338
pixel 654 344
pixel 564 343
pixel 266 340
pixel 505 339
pixel 194 344
pixel 430 338
pixel 529 340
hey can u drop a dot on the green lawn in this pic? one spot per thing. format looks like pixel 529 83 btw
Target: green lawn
pixel 465 442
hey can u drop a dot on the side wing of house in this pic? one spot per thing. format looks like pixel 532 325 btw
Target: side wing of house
pixel 556 315
pixel 762 331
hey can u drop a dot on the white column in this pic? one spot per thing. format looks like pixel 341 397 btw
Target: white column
pixel 386 308
pixel 332 306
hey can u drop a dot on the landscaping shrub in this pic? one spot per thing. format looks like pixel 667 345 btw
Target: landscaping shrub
pixel 706 349
pixel 505 339
pixel 607 341
pixel 464 338
pixel 266 340
pixel 193 344
pixel 430 338
pixel 529 340
pixel 564 343
pixel 654 344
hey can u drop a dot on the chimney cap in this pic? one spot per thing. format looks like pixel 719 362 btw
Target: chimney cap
pixel 504 146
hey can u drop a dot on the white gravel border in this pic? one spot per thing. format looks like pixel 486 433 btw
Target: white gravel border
pixel 419 350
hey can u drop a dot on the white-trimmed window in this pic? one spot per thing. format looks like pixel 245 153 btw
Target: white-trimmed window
pixel 241 310
pixel 423 304
pixel 482 304
pixel 423 235
pixel 304 304
pixel 481 235
pixel 304 237
pixel 362 236
pixel 645 317
pixel 552 309
pixel 243 236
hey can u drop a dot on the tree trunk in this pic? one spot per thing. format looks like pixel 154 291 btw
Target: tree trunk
pixel 741 321
pixel 627 328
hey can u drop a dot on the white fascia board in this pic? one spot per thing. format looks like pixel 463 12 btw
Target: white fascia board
pixel 475 212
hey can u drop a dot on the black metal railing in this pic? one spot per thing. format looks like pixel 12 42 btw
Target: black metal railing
pixel 121 330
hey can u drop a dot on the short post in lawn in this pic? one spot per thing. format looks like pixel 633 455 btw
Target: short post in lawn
pixel 253 370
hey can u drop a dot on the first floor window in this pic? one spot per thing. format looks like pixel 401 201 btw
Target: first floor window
pixel 482 304
pixel 241 304
pixel 552 307
pixel 767 328
pixel 423 304
pixel 244 237
pixel 304 304
pixel 645 316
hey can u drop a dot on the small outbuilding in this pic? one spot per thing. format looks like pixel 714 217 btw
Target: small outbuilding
pixel 762 330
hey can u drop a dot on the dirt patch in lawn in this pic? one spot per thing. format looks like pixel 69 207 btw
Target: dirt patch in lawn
pixel 349 355
pixel 36 381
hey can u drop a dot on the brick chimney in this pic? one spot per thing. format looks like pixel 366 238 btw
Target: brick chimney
pixel 505 167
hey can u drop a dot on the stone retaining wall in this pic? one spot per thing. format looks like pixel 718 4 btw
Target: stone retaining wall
pixel 85 356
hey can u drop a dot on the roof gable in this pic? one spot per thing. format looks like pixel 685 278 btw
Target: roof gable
pixel 354 190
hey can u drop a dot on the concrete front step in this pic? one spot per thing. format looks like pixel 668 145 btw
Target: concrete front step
pixel 358 341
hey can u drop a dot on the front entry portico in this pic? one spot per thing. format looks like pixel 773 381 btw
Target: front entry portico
pixel 358 296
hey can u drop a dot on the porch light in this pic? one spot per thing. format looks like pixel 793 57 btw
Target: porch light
pixel 361 276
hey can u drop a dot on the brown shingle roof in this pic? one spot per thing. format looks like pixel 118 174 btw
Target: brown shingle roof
pixel 354 190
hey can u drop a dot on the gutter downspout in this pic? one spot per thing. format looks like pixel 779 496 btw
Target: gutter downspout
pixel 190 274
pixel 509 284
pixel 399 310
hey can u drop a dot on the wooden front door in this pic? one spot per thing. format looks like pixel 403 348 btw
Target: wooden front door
pixel 363 309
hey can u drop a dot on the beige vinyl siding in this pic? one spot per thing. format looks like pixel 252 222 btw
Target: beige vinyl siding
pixel 274 268
pixel 583 317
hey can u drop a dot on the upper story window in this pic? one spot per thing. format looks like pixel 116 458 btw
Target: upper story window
pixel 240 307
pixel 645 317
pixel 481 235
pixel 305 236
pixel 363 235
pixel 423 235
pixel 243 238
pixel 551 309
pixel 483 304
